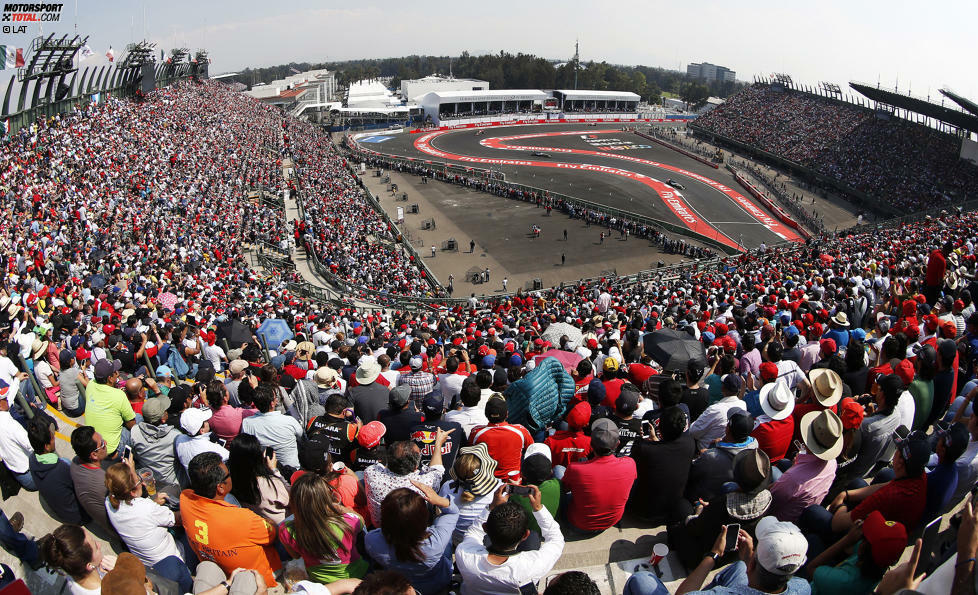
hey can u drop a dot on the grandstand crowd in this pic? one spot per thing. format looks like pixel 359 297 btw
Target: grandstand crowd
pixel 794 416
pixel 903 164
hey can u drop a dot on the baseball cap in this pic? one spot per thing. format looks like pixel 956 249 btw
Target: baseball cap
pixel 769 371
pixel 851 413
pixel 536 468
pixel 65 356
pixel 433 404
pixel 489 361
pixel 828 346
pixel 496 408
pixel 914 448
pixel 154 408
pixel 164 371
pixel 627 402
pixel 82 353
pixel 192 420
pixel 731 383
pixel 954 434
pixel 370 434
pixel 399 395
pixel 740 422
pixel 610 364
pixel 105 368
pixel 604 434
pixel 416 363
pixel 887 539
pixel 237 366
pixel 579 415
pixel 781 547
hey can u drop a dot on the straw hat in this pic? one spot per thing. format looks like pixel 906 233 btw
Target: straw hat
pixel 821 431
pixel 827 386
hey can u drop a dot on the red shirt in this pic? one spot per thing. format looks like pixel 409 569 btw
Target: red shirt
pixel 612 391
pixel 599 490
pixel 506 443
pixel 567 447
pixel 774 437
pixel 901 500
pixel 936 267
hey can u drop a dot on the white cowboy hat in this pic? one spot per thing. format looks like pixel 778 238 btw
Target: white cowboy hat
pixel 777 400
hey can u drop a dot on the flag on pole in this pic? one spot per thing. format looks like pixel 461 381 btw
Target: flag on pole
pixel 11 57
pixel 110 54
pixel 162 55
pixel 293 70
pixel 85 52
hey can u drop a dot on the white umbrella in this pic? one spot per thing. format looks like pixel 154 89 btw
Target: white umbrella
pixel 559 329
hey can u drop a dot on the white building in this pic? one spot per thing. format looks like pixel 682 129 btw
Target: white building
pixel 604 101
pixel 370 93
pixel 413 89
pixel 321 82
pixel 441 105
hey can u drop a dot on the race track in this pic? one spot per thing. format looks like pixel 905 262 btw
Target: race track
pixel 606 166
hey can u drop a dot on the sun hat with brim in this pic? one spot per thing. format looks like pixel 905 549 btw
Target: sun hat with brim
pixel 777 400
pixel 821 431
pixel 826 385
pixel 483 481
pixel 305 350
pixel 325 377
pixel 752 470
pixel 841 319
pixel 368 371
pixel 39 348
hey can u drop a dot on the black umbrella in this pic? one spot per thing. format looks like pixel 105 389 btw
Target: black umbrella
pixel 673 350
pixel 235 332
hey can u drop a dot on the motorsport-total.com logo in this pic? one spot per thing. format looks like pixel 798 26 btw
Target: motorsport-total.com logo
pixel 28 13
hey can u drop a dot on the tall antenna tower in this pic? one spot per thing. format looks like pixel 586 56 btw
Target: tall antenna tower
pixel 577 60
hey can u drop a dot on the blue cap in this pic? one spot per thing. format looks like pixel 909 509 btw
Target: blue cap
pixel 515 360
pixel 489 361
pixel 708 337
pixel 858 333
pixel 790 330
pixel 164 371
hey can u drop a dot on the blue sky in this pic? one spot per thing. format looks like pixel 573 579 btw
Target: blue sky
pixel 923 45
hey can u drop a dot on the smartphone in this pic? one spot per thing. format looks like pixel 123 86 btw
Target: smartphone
pixel 519 490
pixel 269 452
pixel 929 547
pixel 732 532
pixel 127 452
pixel 646 427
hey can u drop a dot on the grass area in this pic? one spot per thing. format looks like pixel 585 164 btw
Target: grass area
pixel 670 95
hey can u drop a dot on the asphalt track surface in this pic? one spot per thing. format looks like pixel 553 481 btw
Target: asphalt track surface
pixel 604 165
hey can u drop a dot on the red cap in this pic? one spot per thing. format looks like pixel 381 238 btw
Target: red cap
pixel 828 346
pixel 887 539
pixel 958 305
pixel 592 343
pixel 579 416
pixel 483 350
pixel 769 371
pixel 905 371
pixel 538 342
pixel 82 353
pixel 851 413
pixel 370 434
pixel 931 322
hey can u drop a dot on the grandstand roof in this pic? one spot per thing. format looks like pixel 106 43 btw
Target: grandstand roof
pixel 436 97
pixel 920 106
pixel 964 102
pixel 586 95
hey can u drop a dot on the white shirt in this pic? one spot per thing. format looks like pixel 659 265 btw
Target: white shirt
pixel 42 371
pixel 905 409
pixel 712 423
pixel 187 448
pixel 790 373
pixel 142 526
pixel 451 386
pixel 468 418
pixel 8 371
pixel 481 577
pixel 15 448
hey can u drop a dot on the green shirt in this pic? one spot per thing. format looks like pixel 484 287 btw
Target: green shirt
pixel 106 410
pixel 549 495
pixel 842 579
pixel 922 392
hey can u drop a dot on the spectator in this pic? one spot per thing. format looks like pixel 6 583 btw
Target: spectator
pixel 225 419
pixel 710 425
pixel 662 462
pixel 338 425
pixel 878 428
pixel 281 432
pixel 401 415
pixel 506 442
pixel 198 437
pixel 230 536
pixel 52 475
pixel 629 426
pixel 15 446
pixel 406 543
pixel 369 397
pixel 423 433
pixel 142 524
pixel 808 480
pixel 73 381
pixel 774 428
pixel 714 467
pixel 258 484
pixel 88 473
pixel 371 448
pixel 471 487
pixel 323 533
pixel 106 408
pixel 942 480
pixel 74 551
pixel 421 383
pixel 878 544
pixel 347 490
pixel 500 565
pixel 154 442
pixel 400 471
pixel 599 488
pixel 470 415
pixel 537 470
pixel 572 444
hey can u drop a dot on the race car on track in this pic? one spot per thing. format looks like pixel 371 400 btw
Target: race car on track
pixel 675 184
pixel 540 154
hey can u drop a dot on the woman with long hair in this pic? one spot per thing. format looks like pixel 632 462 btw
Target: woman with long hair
pixel 323 532
pixel 142 524
pixel 255 479
pixel 74 551
pixel 408 544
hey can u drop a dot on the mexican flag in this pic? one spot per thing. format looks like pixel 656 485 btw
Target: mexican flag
pixel 11 57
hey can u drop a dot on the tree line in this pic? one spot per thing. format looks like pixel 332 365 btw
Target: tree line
pixel 515 71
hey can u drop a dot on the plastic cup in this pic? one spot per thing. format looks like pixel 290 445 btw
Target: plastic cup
pixel 659 551
pixel 149 480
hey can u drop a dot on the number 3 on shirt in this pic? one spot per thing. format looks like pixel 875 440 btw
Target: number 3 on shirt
pixel 202 536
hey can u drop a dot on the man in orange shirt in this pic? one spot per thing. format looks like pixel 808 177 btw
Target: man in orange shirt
pixel 231 537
